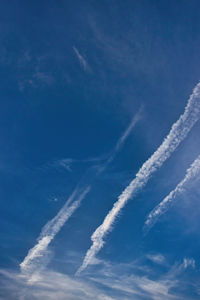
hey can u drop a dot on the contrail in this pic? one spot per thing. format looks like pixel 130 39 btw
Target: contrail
pixel 105 159
pixel 49 231
pixel 191 173
pixel 128 130
pixel 121 140
pixel 178 132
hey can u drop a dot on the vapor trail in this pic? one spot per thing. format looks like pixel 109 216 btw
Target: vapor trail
pixel 35 255
pixel 162 207
pixel 178 132
pixel 121 140
pixel 50 230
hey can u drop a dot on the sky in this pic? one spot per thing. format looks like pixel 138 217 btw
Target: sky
pixel 99 159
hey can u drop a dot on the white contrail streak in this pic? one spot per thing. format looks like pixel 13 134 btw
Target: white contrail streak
pixel 162 207
pixel 122 140
pixel 30 262
pixel 178 132
pixel 128 130
pixel 49 231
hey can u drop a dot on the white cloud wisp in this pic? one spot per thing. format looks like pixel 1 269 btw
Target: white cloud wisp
pixel 177 134
pixel 110 281
pixel 82 60
pixel 163 206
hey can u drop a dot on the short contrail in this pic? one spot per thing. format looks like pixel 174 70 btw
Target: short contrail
pixel 121 140
pixel 49 231
pixel 191 173
pixel 178 132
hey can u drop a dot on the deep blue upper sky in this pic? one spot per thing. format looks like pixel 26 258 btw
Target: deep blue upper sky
pixel 73 74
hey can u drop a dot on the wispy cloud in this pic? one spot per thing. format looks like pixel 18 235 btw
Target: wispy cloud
pixel 36 76
pixel 33 260
pixel 82 60
pixel 156 258
pixel 178 132
pixel 68 163
pixel 189 262
pixel 108 281
pixel 163 206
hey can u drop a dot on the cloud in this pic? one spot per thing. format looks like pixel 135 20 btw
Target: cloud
pixel 36 79
pixel 67 163
pixel 50 285
pixel 82 60
pixel 43 77
pixel 32 73
pixel 156 258
pixel 189 262
pixel 178 132
pixel 108 281
pixel 34 260
pixel 192 172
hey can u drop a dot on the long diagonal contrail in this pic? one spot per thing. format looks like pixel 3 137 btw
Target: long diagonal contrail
pixel 163 206
pixel 178 132
pixel 33 259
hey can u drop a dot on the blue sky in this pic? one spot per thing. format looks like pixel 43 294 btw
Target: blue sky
pixel 89 91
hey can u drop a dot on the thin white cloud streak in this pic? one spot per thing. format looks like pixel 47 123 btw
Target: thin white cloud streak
pixel 82 60
pixel 122 140
pixel 178 132
pixel 49 231
pixel 163 206
pixel 128 130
